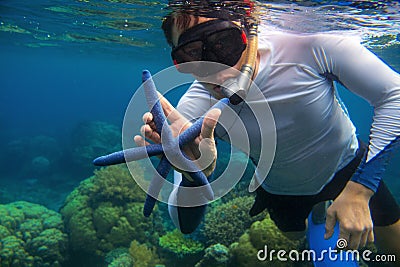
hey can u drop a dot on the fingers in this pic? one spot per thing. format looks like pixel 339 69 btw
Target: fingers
pixel 147 118
pixel 370 238
pixel 139 141
pixel 150 134
pixel 329 224
pixel 206 153
pixel 356 238
pixel 351 240
pixel 364 239
pixel 209 123
pixel 367 237
pixel 170 112
pixel 148 130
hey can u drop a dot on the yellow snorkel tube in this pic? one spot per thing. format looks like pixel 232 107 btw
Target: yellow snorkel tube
pixel 236 89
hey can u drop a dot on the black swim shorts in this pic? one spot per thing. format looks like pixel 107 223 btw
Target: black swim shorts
pixel 290 212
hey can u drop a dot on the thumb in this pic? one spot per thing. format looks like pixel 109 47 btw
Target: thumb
pixel 209 123
pixel 329 225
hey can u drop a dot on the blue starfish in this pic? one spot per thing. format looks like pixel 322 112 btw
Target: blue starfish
pixel 168 147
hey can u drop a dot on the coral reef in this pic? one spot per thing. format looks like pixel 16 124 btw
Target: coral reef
pixel 31 235
pixel 142 255
pixel 179 245
pixel 179 250
pixel 262 233
pixel 34 190
pixel 216 256
pixel 138 255
pixel 106 212
pixel 123 260
pixel 225 223
pixel 29 157
pixel 119 257
pixel 92 139
pixel 40 164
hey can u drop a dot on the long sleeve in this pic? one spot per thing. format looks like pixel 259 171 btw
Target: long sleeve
pixel 363 73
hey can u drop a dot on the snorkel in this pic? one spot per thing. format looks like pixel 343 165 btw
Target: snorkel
pixel 237 88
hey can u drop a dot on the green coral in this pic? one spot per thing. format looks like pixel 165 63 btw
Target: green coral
pixel 225 223
pixel 179 245
pixel 265 232
pixel 262 233
pixel 216 255
pixel 31 235
pixel 106 212
pixel 122 260
pixel 142 255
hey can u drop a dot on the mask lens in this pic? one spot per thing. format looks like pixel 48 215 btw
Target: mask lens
pixel 192 51
pixel 225 47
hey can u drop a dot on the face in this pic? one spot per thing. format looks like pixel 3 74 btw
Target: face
pixel 211 82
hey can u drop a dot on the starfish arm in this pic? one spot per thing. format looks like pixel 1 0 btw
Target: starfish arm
pixel 199 179
pixel 153 102
pixel 199 176
pixel 193 131
pixel 155 186
pixel 128 155
pixel 190 133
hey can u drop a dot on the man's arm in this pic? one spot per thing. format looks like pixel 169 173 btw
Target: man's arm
pixel 363 73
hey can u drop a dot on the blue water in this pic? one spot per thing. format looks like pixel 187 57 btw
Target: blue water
pixel 50 83
pixel 64 63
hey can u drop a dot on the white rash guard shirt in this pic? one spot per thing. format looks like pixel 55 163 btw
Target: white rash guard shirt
pixel 315 136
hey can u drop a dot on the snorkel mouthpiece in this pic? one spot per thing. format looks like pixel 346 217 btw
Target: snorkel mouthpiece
pixel 236 88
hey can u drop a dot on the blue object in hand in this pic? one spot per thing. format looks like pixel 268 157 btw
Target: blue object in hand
pixel 169 147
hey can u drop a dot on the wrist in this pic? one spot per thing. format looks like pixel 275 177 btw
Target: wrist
pixel 357 189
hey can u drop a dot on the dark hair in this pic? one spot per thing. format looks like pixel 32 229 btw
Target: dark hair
pixel 183 11
pixel 181 20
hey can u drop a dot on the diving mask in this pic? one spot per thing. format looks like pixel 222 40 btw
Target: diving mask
pixel 219 41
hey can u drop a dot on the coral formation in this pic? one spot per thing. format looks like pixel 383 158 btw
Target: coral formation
pixel 40 164
pixel 106 212
pixel 30 157
pixel 94 138
pixel 261 233
pixel 216 256
pixel 123 260
pixel 179 245
pixel 31 235
pixel 225 223
pixel 119 257
pixel 138 255
pixel 142 255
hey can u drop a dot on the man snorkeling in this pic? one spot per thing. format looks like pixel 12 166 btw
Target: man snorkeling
pixel 317 153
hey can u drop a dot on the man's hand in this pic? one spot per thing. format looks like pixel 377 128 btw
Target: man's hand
pixel 203 149
pixel 352 212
